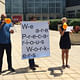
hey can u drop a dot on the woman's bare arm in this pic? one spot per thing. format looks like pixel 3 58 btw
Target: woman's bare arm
pixel 61 32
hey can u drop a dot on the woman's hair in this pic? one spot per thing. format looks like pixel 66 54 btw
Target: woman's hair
pixel 64 18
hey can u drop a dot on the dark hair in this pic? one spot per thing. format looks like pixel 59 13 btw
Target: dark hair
pixel 2 17
pixel 31 18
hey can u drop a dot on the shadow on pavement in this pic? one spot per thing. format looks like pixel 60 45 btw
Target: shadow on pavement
pixel 53 71
pixel 23 70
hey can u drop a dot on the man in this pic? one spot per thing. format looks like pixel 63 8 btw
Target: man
pixel 32 64
pixel 5 43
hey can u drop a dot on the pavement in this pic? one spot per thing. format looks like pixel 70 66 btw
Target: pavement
pixel 49 67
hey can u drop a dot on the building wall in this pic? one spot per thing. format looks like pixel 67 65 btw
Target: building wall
pixel 14 7
pixel 2 7
pixel 70 3
pixel 73 11
pixel 73 8
pixel 42 9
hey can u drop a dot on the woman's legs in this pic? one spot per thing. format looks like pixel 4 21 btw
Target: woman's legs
pixel 63 53
pixel 67 56
pixel 67 51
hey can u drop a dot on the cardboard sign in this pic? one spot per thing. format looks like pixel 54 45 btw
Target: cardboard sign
pixel 35 39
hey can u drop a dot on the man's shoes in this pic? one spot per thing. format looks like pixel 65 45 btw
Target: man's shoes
pixel 0 72
pixel 11 69
pixel 36 65
pixel 33 68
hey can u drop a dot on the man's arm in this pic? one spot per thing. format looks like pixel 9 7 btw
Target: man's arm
pixel 61 32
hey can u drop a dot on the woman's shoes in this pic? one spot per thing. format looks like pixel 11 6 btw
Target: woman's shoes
pixel 65 66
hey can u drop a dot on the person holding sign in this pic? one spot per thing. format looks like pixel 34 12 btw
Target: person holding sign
pixel 5 42
pixel 32 64
pixel 65 43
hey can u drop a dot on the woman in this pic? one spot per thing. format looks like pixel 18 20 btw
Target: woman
pixel 65 43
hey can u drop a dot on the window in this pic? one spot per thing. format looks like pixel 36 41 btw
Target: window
pixel 58 10
pixel 44 10
pixel 37 1
pixel 37 5
pixel 44 5
pixel 30 0
pixel 57 4
pixel 30 4
pixel 51 10
pixel 37 10
pixel 51 1
pixel 51 4
pixel 30 10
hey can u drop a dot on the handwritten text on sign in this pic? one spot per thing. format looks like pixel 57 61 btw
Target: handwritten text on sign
pixel 35 39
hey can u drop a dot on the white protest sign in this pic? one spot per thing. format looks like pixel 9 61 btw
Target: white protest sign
pixel 69 29
pixel 35 39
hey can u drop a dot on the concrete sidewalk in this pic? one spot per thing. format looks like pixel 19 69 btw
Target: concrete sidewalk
pixel 50 67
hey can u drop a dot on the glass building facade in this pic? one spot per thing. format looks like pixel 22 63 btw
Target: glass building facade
pixel 14 7
pixel 70 3
pixel 42 9
pixel 73 8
